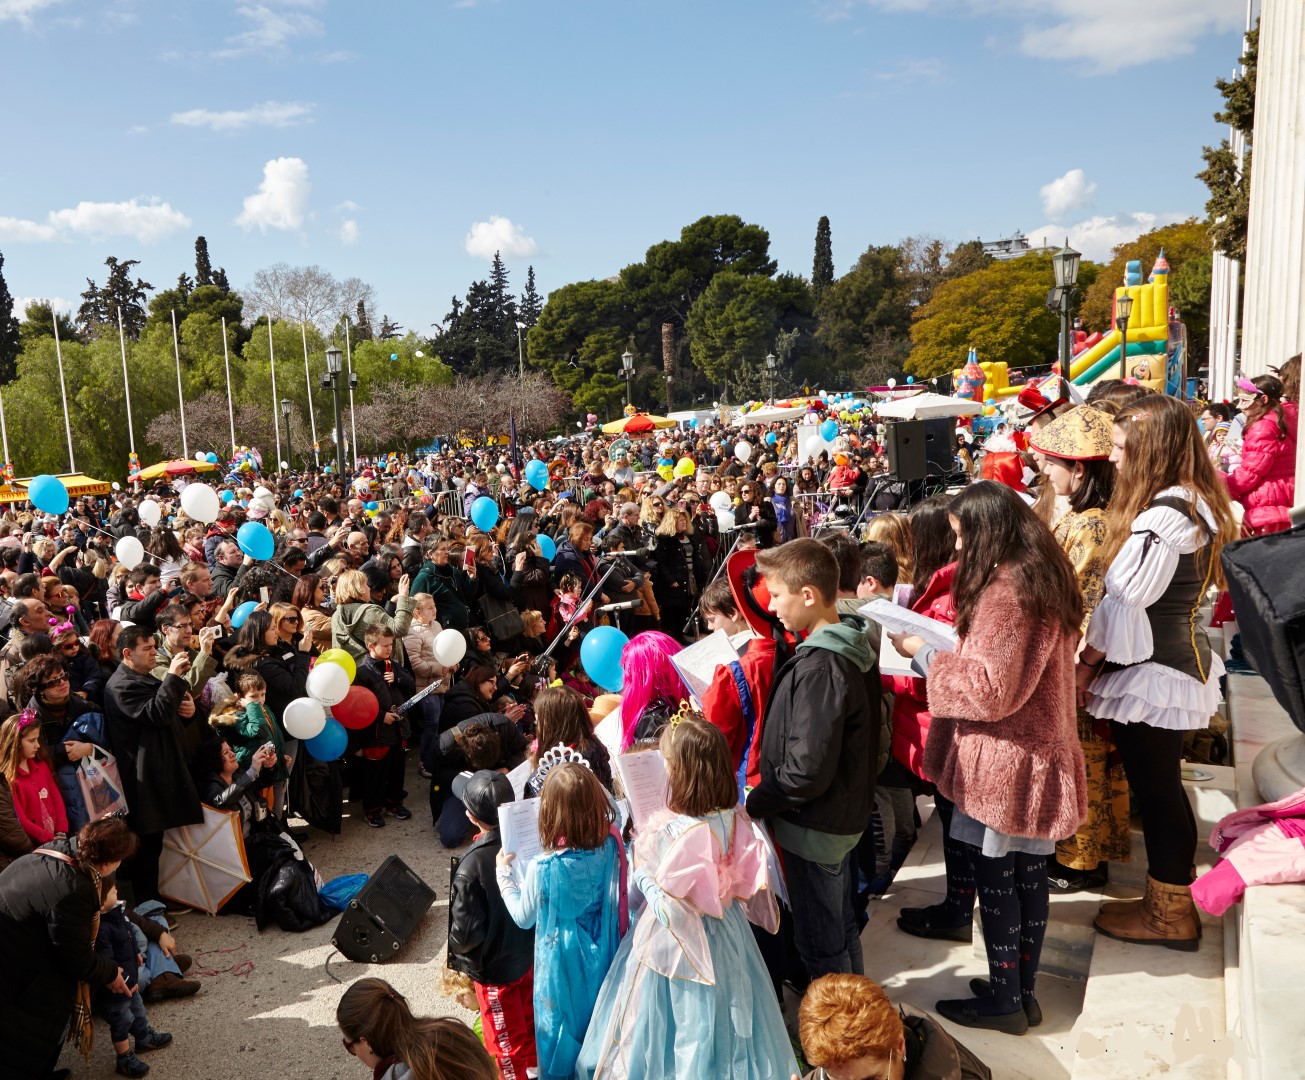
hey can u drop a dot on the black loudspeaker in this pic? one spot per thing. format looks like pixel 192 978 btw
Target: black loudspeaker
pixel 379 921
pixel 906 449
pixel 939 446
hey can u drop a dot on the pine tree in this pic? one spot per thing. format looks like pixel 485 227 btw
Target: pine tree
pixel 203 268
pixel 388 330
pixel 822 268
pixel 100 306
pixel 220 279
pixel 363 327
pixel 184 285
pixel 1228 178
pixel 10 342
pixel 503 307
pixel 531 302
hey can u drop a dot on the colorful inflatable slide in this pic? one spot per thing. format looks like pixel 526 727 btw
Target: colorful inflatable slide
pixel 1148 334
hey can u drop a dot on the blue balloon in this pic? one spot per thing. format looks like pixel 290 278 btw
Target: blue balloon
pixel 693 422
pixel 600 653
pixel 226 496
pixel 910 380
pixel 771 438
pixel 373 506
pixel 546 546
pixel 329 743
pixel 254 539
pixel 394 356
pixel 299 493
pixel 484 513
pixel 829 430
pixel 48 494
pixel 211 458
pixel 537 474
pixel 328 469
pixel 241 613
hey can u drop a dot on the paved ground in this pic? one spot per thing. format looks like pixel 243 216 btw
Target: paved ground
pixel 278 1021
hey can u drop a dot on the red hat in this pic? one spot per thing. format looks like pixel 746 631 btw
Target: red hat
pixel 1033 399
pixel 751 596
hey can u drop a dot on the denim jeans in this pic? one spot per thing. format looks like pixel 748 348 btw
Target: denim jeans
pixel 156 960
pixel 125 1015
pixel 824 916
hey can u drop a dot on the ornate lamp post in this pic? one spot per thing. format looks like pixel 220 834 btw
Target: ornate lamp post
pixel 289 443
pixel 1065 265
pixel 770 375
pixel 1123 309
pixel 333 357
pixel 627 365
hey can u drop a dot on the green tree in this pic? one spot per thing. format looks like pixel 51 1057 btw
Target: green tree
pixel 203 268
pixel 1189 292
pixel 10 339
pixel 38 322
pixel 822 266
pixel 100 306
pixel 999 310
pixel 581 334
pixel 1227 177
pixel 870 300
pixel 1186 240
pixel 362 329
pixel 531 302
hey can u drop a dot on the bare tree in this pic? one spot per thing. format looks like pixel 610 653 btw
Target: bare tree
pixel 305 294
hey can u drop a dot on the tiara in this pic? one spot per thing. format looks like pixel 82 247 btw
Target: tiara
pixel 561 754
pixel 27 718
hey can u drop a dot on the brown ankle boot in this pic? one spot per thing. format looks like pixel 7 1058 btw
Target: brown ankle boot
pixel 1166 916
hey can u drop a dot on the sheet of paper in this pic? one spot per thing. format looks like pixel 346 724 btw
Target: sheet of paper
pixel 518 777
pixel 608 731
pixel 893 619
pixel 892 662
pixel 697 663
pixel 643 775
pixel 518 826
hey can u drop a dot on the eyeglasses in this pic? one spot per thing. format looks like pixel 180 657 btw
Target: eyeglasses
pixel 53 683
pixel 349 1044
pixel 293 620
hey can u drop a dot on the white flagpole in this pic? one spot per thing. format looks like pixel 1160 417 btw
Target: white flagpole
pixel 276 408
pixel 4 432
pixel 126 386
pixel 231 409
pixel 308 385
pixel 181 399
pixel 63 392
pixel 348 376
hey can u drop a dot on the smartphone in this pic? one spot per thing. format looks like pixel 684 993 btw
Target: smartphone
pixel 263 594
pixel 468 558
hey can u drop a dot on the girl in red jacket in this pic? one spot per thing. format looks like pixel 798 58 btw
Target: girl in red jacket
pixel 25 763
pixel 1265 480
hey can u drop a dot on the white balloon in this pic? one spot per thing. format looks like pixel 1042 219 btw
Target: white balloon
pixel 892 383
pixel 419 354
pixel 725 519
pixel 720 500
pixel 130 552
pixel 201 503
pixel 303 718
pixel 149 512
pixel 450 647
pixel 328 683
pixel 743 451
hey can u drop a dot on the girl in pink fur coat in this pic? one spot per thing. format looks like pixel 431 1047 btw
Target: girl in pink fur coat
pixel 1003 746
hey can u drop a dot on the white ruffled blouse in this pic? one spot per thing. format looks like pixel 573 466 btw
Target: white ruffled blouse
pixel 1149 693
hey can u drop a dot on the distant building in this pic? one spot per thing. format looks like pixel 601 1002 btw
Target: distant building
pixel 1012 247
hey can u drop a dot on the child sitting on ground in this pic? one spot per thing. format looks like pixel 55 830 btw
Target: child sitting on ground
pixel 125 1015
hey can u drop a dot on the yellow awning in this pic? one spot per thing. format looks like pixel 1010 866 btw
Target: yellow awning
pixel 78 484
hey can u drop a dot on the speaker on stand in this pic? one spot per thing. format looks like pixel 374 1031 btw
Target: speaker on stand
pixel 387 910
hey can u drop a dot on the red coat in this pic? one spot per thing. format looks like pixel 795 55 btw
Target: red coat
pixel 38 802
pixel 1004 743
pixel 1265 481
pixel 910 706
pixel 722 707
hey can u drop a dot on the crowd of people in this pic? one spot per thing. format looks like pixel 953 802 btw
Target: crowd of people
pixel 1072 585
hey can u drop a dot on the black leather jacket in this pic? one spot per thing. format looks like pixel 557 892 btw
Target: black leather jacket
pixel 484 942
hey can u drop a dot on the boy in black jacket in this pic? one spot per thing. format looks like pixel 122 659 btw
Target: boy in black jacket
pixel 484 942
pixel 819 741
pixel 380 748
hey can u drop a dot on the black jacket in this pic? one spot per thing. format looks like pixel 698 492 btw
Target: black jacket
pixel 371 674
pixel 484 942
pixel 53 727
pixel 765 525
pixel 819 744
pixel 116 943
pixel 461 703
pixel 144 612
pixel 46 908
pixel 453 761
pixel 148 741
pixel 677 576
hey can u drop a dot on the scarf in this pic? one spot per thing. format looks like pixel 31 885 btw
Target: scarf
pixel 81 1026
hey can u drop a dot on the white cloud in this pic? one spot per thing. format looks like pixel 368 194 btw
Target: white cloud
pixel 22 10
pixel 281 198
pixel 267 114
pixel 145 222
pixel 501 235
pixel 271 30
pixel 1097 236
pixel 349 231
pixel 1086 35
pixel 22 231
pixel 138 129
pixel 347 206
pixel 919 69
pixel 56 302
pixel 1067 193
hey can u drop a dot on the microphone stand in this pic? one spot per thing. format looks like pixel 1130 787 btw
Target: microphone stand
pixel 540 665
pixel 740 529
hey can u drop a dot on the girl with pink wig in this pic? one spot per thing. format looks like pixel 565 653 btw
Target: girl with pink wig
pixel 652 691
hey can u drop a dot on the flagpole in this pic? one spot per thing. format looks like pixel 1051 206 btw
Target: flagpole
pixel 348 367
pixel 308 384
pixel 276 410
pixel 4 433
pixel 181 399
pixel 63 391
pixel 231 409
pixel 126 386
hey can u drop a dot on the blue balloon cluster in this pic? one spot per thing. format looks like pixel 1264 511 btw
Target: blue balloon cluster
pixel 600 653
pixel 329 743
pixel 484 513
pixel 537 474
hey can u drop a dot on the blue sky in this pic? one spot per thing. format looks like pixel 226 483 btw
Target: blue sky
pixel 402 142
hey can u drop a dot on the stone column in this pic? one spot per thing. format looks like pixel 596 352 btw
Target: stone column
pixel 1275 257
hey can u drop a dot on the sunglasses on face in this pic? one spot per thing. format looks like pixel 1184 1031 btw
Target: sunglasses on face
pixel 53 683
pixel 293 620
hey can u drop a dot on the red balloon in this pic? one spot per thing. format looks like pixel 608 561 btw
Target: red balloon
pixel 358 709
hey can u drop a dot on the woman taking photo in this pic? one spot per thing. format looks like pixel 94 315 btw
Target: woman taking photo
pixel 453 590
pixel 355 611
pixel 756 513
pixel 1147 666
pixel 1264 481
pixel 1075 455
pixel 392 1044
pixel 1003 747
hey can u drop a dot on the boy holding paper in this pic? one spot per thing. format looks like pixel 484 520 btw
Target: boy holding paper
pixel 818 751
pixel 484 942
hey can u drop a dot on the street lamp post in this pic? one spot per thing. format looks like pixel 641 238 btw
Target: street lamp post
pixel 289 442
pixel 1065 265
pixel 333 355
pixel 521 352
pixel 770 375
pixel 627 365
pixel 1123 309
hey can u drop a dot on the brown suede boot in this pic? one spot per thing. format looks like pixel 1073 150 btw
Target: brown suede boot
pixel 1166 916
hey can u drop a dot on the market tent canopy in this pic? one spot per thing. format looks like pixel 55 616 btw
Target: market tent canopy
pixel 177 467
pixel 928 406
pixel 769 414
pixel 631 425
pixel 76 483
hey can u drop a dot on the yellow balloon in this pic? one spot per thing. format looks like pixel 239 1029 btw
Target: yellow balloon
pixel 342 659
pixel 685 467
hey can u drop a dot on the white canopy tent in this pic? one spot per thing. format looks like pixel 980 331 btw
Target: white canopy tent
pixel 769 414
pixel 928 406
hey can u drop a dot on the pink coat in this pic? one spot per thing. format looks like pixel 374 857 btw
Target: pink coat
pixel 1265 481
pixel 1263 845
pixel 1003 745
